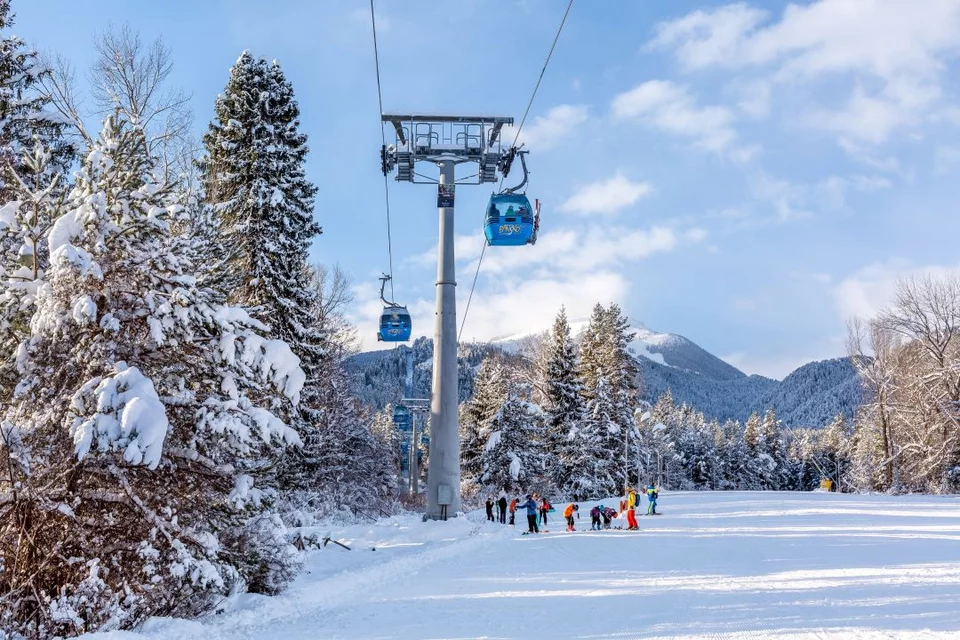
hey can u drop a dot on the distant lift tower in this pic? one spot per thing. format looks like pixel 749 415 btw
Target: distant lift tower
pixel 445 141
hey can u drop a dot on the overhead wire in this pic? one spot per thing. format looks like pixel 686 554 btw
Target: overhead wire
pixel 383 139
pixel 516 137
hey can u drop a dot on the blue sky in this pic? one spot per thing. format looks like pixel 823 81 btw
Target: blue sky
pixel 748 175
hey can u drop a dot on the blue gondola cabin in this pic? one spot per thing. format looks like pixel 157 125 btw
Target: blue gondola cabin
pixel 395 325
pixel 510 221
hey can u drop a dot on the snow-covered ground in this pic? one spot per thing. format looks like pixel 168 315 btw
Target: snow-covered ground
pixel 716 565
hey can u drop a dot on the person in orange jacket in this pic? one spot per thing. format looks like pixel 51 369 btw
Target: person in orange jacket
pixel 568 514
pixel 513 511
pixel 631 510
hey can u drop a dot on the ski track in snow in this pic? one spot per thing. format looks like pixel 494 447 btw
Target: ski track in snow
pixel 731 565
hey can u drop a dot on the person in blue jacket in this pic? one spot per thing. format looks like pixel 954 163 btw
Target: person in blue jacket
pixel 532 506
pixel 652 494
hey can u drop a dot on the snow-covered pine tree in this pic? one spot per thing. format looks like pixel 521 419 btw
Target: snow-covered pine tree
pixel 565 407
pixel 388 444
pixel 254 178
pixel 592 356
pixel 25 120
pixel 489 394
pixel 143 426
pixel 255 181
pixel 773 455
pixel 513 455
pixel 597 470
pixel 24 222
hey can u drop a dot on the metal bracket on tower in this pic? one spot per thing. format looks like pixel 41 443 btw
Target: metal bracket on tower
pixel 444 138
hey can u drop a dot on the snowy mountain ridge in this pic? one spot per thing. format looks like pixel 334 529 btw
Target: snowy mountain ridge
pixel 667 349
pixel 809 397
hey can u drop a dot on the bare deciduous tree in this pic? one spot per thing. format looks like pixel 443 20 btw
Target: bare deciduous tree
pixel 334 295
pixel 911 369
pixel 131 77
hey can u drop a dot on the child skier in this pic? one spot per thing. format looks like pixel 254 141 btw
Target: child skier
pixel 608 514
pixel 595 518
pixel 513 511
pixel 631 510
pixel 652 494
pixel 568 514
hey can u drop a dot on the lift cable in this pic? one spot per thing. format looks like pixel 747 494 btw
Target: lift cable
pixel 383 139
pixel 515 138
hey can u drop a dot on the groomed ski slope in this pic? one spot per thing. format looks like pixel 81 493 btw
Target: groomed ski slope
pixel 788 566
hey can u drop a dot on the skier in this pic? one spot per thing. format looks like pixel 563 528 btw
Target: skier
pixel 490 510
pixel 631 510
pixel 568 514
pixel 608 514
pixel 513 511
pixel 652 494
pixel 531 506
pixel 544 510
pixel 502 509
pixel 595 518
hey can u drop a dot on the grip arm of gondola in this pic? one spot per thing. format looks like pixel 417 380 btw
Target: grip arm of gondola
pixel 523 164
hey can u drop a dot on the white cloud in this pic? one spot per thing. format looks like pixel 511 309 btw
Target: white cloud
pixel 466 246
pixel 898 49
pixel 706 38
pixel 530 305
pixel 547 131
pixel 582 251
pixel 871 183
pixel 607 196
pixel 866 292
pixel 754 98
pixel 788 200
pixel 797 201
pixel 669 107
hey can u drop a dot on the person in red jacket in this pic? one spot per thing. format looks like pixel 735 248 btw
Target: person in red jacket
pixel 544 510
pixel 513 511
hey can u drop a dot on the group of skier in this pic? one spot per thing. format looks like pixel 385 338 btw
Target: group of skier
pixel 537 509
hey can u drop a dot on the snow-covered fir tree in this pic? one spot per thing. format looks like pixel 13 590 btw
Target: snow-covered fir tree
pixel 597 470
pixel 254 178
pixel 513 456
pixel 263 204
pixel 24 222
pixel 25 120
pixel 388 442
pixel 140 438
pixel 490 392
pixel 563 391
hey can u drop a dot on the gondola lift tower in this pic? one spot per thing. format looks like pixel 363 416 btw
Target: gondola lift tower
pixel 445 141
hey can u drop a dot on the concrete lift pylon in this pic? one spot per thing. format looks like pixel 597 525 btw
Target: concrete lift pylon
pixel 446 141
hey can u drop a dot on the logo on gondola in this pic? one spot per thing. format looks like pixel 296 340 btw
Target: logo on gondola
pixel 509 229
pixel 394 332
